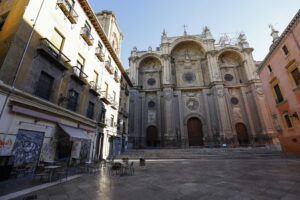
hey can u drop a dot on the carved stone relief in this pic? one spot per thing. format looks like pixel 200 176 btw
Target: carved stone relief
pixel 192 104
pixel 220 92
pixel 259 90
pixel 168 94
pixel 237 114
pixel 151 117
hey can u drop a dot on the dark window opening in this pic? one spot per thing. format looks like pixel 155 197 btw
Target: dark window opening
pixel 119 125
pixel 285 50
pixel 102 115
pixel 72 100
pixel 295 140
pixel 100 45
pixel 278 93
pixel 44 86
pixel 112 121
pixel 2 20
pixel 296 76
pixel 288 121
pixel 270 68
pixel 90 110
pixel 124 127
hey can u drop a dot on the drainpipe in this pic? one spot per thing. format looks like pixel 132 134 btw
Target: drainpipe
pixel 22 59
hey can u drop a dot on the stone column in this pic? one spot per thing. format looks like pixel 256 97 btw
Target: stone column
pixel 263 111
pixel 248 112
pixel 166 75
pixel 168 115
pixel 143 120
pixel 159 117
pixel 223 112
pixel 214 71
pixel 134 116
pixel 181 120
pixel 207 114
pixel 249 64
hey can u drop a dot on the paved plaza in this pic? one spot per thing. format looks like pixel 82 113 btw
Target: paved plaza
pixel 251 178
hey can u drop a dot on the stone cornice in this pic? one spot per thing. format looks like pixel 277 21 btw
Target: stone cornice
pixel 21 97
pixel 277 43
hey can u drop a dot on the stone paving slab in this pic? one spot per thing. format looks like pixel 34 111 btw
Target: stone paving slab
pixel 246 179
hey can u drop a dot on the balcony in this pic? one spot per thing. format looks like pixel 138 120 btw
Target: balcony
pixel 106 98
pixel 68 10
pixel 116 78
pixel 108 67
pixel 87 36
pixel 125 113
pixel 53 54
pixel 122 85
pixel 99 54
pixel 126 92
pixel 94 88
pixel 102 124
pixel 79 76
pixel 114 105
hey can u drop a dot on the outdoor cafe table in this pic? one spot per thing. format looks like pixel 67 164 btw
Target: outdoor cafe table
pixel 52 168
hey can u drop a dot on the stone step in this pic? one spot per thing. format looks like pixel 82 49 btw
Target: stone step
pixel 201 153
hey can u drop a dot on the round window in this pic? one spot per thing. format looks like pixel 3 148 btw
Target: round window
pixel 189 77
pixel 151 81
pixel 228 77
pixel 234 100
pixel 151 104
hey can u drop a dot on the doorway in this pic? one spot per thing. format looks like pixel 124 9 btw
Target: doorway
pixel 152 136
pixel 194 126
pixel 242 134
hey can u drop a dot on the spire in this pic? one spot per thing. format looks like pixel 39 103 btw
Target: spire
pixel 274 33
pixel 164 37
pixel 243 40
pixel 164 34
pixel 206 33
pixel 134 51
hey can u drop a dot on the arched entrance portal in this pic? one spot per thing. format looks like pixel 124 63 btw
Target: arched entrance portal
pixel 195 134
pixel 152 136
pixel 242 134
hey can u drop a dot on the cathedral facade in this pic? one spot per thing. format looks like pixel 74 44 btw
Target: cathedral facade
pixel 194 91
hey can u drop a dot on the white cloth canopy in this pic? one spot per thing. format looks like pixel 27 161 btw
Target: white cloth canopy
pixel 74 133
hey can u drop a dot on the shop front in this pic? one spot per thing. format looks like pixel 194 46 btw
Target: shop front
pixel 73 146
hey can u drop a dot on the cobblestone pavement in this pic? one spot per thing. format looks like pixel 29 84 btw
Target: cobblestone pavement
pixel 239 179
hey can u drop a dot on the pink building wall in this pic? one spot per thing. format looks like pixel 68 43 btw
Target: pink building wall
pixel 289 137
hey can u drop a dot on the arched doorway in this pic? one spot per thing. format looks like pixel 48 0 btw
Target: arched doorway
pixel 242 134
pixel 152 136
pixel 195 134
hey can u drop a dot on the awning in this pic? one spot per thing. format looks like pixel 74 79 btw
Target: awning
pixel 74 133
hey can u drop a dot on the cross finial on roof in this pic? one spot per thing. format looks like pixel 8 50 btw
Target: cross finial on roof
pixel 184 28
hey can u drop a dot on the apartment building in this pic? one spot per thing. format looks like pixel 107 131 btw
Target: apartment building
pixel 60 75
pixel 280 75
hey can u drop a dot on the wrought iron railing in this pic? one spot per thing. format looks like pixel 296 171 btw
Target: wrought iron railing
pixel 99 53
pixel 77 71
pixel 109 67
pixel 55 52
pixel 87 36
pixel 68 10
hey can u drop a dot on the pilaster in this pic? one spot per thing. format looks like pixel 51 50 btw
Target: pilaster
pixel 214 71
pixel 166 63
pixel 226 130
pixel 263 111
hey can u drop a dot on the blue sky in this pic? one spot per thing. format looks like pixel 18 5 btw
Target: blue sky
pixel 142 21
